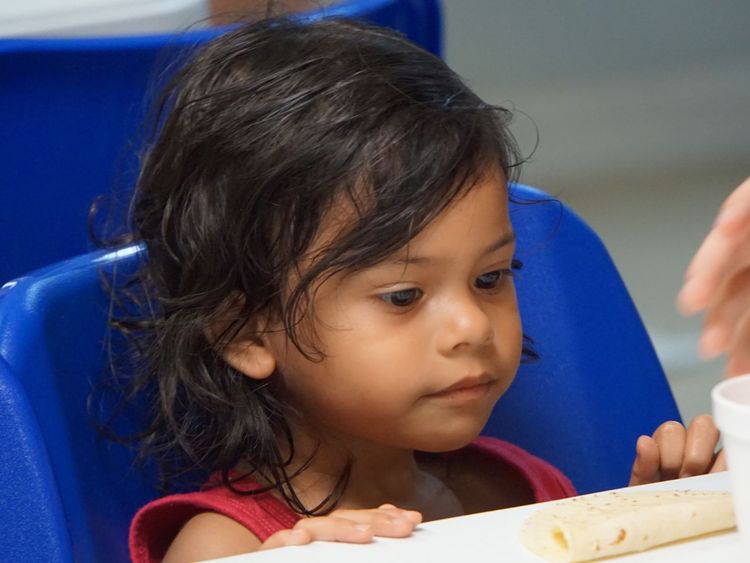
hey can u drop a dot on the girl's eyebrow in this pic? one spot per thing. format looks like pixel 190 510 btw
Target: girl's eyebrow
pixel 504 240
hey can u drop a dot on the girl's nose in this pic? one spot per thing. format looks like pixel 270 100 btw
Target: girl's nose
pixel 465 324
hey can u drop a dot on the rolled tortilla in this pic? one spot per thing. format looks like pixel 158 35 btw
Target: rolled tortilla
pixel 606 524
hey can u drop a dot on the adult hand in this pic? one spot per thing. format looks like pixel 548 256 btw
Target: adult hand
pixel 718 282
pixel 674 452
pixel 350 526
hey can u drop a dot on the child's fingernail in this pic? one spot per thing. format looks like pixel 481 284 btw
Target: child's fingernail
pixel 639 443
pixel 396 520
pixel 414 516
pixel 363 527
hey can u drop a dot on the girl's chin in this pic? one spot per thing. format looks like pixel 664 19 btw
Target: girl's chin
pixel 448 441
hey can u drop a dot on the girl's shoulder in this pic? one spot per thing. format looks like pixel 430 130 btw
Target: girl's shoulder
pixel 157 524
pixel 209 535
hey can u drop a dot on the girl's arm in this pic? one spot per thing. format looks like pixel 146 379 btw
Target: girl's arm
pixel 210 535
pixel 674 452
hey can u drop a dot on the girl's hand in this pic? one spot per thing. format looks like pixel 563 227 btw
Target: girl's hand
pixel 718 282
pixel 673 452
pixel 350 526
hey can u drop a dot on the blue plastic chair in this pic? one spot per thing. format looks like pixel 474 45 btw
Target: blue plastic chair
pixel 65 493
pixel 68 495
pixel 70 118
pixel 598 384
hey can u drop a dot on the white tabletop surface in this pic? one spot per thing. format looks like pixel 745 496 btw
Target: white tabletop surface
pixel 493 537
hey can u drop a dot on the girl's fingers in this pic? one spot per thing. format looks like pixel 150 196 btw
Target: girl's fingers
pixel 670 437
pixel 332 528
pixel 720 463
pixel 386 521
pixel 412 515
pixel 700 446
pixel 285 538
pixel 350 526
pixel 646 465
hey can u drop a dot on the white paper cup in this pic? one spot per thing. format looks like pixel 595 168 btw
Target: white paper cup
pixel 731 404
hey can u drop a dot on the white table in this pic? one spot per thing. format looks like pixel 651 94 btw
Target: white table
pixel 493 537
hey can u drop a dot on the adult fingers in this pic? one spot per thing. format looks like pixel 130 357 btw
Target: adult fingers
pixel 670 437
pixel 739 348
pixel 646 465
pixel 721 256
pixel 732 219
pixel 717 256
pixel 723 315
pixel 700 446
pixel 735 211
pixel 705 272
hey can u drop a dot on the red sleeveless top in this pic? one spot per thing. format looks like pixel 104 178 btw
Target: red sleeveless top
pixel 156 525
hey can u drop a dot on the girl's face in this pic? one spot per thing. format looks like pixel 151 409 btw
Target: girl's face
pixel 419 347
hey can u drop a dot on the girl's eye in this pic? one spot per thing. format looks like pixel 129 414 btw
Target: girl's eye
pixel 402 298
pixel 492 280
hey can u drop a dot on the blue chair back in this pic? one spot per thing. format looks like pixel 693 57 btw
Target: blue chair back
pixel 71 112
pixel 68 495
pixel 598 384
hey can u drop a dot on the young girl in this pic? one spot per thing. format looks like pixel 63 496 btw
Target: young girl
pixel 330 313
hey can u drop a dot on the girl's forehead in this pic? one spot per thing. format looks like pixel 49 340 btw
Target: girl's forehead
pixel 351 210
pixel 482 206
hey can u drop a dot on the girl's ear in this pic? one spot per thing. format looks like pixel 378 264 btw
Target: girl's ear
pixel 250 356
pixel 248 352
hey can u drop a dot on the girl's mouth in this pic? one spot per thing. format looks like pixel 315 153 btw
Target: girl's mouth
pixel 467 389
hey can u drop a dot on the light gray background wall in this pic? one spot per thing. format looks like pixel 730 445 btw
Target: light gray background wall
pixel 642 112
pixel 643 115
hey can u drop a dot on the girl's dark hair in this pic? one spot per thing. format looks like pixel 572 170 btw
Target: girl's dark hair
pixel 255 139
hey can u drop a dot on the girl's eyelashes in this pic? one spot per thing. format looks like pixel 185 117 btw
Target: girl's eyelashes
pixel 402 297
pixel 488 281
pixel 493 280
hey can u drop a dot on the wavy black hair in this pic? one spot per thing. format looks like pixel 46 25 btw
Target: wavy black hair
pixel 255 139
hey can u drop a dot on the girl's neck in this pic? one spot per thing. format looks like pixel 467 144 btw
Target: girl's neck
pixel 377 475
